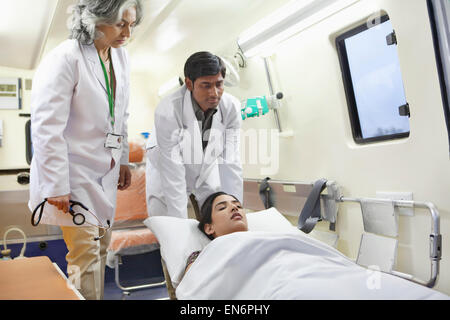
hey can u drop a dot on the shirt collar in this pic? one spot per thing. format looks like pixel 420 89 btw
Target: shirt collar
pixel 199 113
pixel 197 110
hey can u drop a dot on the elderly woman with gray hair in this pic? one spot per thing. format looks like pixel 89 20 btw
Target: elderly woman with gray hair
pixel 79 112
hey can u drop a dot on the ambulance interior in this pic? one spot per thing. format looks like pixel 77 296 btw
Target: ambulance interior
pixel 301 120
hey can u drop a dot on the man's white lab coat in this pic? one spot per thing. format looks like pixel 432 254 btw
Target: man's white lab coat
pixel 177 166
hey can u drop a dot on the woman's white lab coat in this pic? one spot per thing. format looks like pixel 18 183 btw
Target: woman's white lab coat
pixel 177 166
pixel 69 123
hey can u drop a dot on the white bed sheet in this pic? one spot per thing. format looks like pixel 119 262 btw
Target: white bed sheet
pixel 273 266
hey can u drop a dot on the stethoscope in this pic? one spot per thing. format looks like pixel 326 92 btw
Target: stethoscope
pixel 77 217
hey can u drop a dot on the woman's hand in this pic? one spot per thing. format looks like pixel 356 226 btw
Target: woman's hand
pixel 61 202
pixel 124 177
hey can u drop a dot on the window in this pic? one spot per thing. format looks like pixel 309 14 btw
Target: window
pixel 439 11
pixel 373 82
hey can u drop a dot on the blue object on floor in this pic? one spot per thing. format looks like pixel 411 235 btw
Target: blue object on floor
pixel 137 269
pixel 56 250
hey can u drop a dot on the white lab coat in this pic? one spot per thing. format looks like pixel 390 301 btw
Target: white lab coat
pixel 176 164
pixel 69 122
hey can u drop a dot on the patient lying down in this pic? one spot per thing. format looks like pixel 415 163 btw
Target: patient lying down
pixel 270 266
pixel 221 214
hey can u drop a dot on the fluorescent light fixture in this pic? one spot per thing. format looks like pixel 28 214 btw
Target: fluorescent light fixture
pixel 170 85
pixel 287 21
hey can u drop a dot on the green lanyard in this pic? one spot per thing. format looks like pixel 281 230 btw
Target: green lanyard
pixel 110 93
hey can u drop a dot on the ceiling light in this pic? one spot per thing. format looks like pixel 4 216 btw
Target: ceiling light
pixel 287 21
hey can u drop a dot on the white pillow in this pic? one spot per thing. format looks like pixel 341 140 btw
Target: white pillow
pixel 179 237
pixel 268 220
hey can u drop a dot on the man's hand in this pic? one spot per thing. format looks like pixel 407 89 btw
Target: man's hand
pixel 61 202
pixel 124 177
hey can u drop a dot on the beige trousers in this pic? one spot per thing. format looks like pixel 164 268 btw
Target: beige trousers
pixel 86 259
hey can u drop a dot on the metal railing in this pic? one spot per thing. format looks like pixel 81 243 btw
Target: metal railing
pixel 435 236
pixel 295 198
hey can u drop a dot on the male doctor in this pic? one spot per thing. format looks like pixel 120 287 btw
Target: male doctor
pixel 193 150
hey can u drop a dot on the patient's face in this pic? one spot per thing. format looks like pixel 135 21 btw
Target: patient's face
pixel 227 217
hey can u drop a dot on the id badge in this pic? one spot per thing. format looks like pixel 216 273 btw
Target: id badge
pixel 113 141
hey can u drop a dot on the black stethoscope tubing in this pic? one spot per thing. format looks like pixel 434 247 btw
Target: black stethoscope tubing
pixel 77 218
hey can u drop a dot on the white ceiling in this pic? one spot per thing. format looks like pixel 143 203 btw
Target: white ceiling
pixel 59 30
pixel 170 32
pixel 23 31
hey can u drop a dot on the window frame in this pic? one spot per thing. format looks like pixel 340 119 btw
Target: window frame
pixel 444 86
pixel 349 89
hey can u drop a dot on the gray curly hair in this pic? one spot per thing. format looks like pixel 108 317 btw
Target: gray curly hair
pixel 87 14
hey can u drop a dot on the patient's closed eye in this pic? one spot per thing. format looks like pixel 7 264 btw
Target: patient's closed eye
pixel 237 204
pixel 223 205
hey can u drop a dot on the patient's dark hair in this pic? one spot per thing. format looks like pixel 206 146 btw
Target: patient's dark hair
pixel 202 64
pixel 206 211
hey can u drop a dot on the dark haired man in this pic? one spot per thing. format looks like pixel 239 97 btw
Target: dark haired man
pixel 193 150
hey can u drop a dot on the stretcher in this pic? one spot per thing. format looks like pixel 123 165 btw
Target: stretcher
pixel 129 235
pixel 379 241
